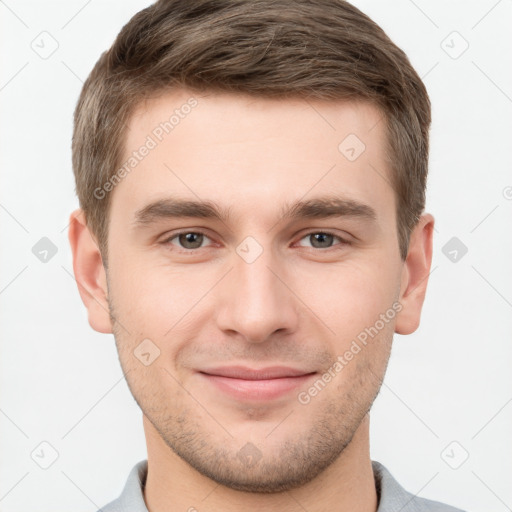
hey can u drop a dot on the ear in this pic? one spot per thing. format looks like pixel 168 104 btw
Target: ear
pixel 89 272
pixel 415 274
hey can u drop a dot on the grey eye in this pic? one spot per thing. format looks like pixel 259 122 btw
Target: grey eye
pixel 320 240
pixel 190 240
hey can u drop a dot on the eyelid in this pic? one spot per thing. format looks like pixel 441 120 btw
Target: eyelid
pixel 342 240
pixel 168 238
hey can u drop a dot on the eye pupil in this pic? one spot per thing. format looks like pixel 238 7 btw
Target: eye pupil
pixel 191 240
pixel 321 240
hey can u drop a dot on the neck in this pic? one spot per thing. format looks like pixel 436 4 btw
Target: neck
pixel 346 485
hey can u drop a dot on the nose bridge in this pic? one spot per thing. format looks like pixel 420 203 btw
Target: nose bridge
pixel 257 302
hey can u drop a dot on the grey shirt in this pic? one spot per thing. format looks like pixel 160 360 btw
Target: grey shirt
pixel 392 496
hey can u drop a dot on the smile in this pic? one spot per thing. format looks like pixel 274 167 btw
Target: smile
pixel 262 384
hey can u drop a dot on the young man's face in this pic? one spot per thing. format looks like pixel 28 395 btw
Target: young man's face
pixel 257 372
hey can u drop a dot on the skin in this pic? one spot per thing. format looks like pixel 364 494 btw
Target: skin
pixel 298 304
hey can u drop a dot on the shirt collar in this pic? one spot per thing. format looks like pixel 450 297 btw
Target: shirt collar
pixel 392 496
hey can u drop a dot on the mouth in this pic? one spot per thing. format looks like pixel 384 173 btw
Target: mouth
pixel 255 384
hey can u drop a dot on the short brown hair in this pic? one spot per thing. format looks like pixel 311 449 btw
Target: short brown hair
pixel 322 49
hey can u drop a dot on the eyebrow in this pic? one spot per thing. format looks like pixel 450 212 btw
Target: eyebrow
pixel 317 208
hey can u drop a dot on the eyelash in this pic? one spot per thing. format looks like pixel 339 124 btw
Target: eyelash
pixel 342 241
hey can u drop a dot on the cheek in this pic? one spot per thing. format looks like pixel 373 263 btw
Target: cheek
pixel 349 298
pixel 155 298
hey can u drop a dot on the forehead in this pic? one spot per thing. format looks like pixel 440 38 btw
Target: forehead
pixel 253 154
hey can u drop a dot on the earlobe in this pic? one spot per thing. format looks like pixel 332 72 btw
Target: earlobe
pixel 89 272
pixel 415 274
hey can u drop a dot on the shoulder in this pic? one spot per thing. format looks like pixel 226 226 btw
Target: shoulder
pixel 393 497
pixel 113 506
pixel 132 496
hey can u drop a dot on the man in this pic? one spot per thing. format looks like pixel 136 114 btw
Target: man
pixel 251 178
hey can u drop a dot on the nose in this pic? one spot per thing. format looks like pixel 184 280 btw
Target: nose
pixel 258 299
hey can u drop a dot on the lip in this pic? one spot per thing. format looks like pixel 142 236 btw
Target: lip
pixel 260 384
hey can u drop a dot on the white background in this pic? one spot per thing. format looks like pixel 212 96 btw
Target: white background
pixel 450 381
